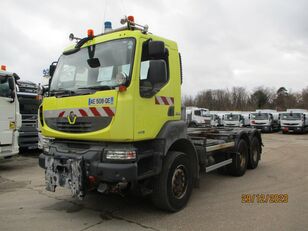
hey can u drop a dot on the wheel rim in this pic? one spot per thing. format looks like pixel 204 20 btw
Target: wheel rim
pixel 179 182
pixel 242 158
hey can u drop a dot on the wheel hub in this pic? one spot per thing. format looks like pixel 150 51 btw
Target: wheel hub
pixel 179 182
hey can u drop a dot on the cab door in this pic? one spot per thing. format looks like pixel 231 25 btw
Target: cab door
pixel 7 112
pixel 153 108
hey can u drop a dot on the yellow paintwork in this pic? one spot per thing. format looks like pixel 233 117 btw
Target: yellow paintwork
pixel 136 118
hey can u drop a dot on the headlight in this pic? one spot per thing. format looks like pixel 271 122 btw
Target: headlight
pixel 120 155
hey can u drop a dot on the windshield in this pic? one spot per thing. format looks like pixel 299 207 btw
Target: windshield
pixel 115 58
pixel 291 116
pixel 203 113
pixel 231 117
pixel 259 116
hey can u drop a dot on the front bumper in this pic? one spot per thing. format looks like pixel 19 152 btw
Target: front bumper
pixel 292 129
pixel 264 128
pixel 106 172
pixel 75 165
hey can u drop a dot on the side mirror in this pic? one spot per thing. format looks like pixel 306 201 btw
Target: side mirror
pixel 12 89
pixel 94 62
pixel 11 84
pixel 52 68
pixel 13 96
pixel 156 49
pixel 42 90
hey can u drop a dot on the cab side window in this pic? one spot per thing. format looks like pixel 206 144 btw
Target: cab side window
pixel 197 113
pixel 4 87
pixel 154 68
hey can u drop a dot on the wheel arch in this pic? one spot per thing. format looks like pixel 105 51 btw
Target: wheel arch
pixel 185 146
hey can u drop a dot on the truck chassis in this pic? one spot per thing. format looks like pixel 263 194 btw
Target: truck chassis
pixel 166 171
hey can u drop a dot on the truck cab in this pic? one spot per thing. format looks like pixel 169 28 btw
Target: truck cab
pixel 294 121
pixel 27 93
pixel 10 119
pixel 266 120
pixel 233 120
pixel 215 120
pixel 197 117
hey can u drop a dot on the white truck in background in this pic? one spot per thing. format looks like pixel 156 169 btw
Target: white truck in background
pixel 216 121
pixel 10 118
pixel 27 93
pixel 197 117
pixel 294 120
pixel 265 119
pixel 236 119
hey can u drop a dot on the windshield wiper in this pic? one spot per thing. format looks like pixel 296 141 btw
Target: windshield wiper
pixel 104 87
pixel 62 92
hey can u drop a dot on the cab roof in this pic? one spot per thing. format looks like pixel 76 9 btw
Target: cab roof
pixel 125 34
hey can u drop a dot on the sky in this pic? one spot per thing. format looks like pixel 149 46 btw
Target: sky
pixel 224 43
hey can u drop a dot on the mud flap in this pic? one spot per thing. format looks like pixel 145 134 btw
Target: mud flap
pixel 68 173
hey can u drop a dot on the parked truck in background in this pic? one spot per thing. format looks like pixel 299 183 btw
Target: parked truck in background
pixel 294 120
pixel 113 112
pixel 27 93
pixel 215 120
pixel 10 119
pixel 197 117
pixel 265 119
pixel 236 119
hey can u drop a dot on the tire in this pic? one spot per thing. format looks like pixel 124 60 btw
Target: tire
pixel 167 193
pixel 255 153
pixel 239 161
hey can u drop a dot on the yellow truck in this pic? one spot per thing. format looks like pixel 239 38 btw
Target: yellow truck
pixel 114 122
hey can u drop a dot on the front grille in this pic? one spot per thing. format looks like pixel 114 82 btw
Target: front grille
pixel 291 124
pixel 77 127
pixel 82 124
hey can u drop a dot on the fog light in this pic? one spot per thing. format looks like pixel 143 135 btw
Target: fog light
pixel 120 155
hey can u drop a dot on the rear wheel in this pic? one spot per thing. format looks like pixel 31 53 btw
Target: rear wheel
pixel 173 187
pixel 255 153
pixel 239 160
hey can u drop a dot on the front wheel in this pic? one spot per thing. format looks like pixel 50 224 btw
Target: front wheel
pixel 173 187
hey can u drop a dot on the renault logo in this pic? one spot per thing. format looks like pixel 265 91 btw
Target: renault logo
pixel 71 118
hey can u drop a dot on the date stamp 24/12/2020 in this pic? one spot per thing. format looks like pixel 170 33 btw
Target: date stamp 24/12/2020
pixel 265 198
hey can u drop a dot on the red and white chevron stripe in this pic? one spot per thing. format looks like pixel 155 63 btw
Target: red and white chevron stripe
pixel 163 100
pixel 81 112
